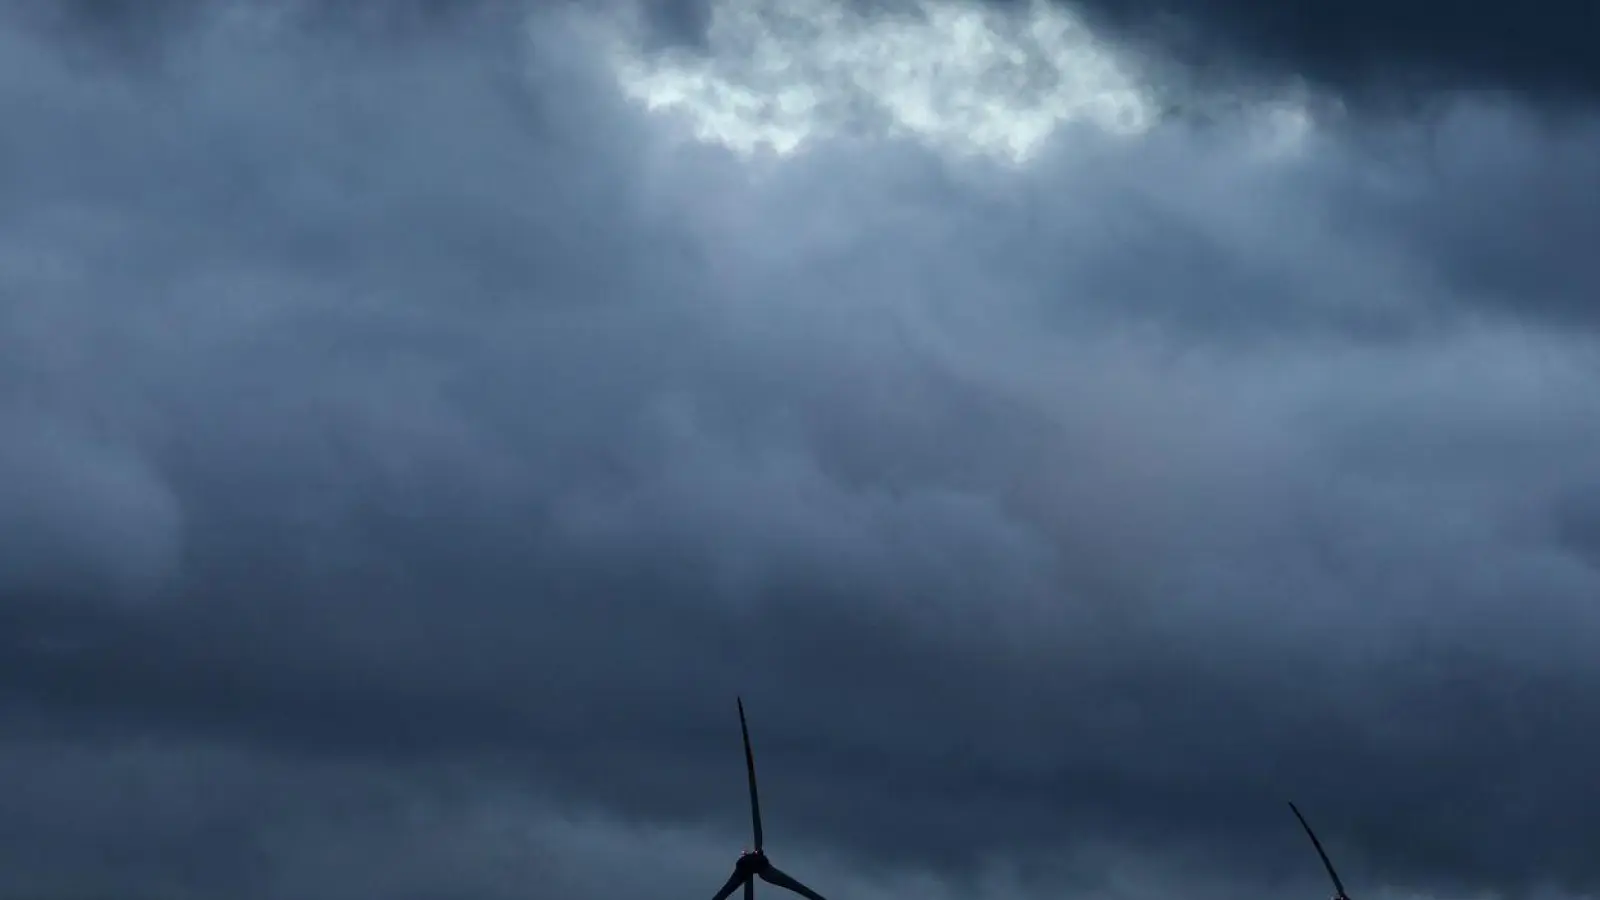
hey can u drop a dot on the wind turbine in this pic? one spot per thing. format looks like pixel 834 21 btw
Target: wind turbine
pixel 754 864
pixel 1338 885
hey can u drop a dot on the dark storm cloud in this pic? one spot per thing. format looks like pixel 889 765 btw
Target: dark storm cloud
pixel 1506 221
pixel 380 415
pixel 1368 48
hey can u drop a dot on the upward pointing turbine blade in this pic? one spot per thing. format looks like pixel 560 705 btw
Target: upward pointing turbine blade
pixel 750 768
pixel 754 863
pixel 1337 884
pixel 772 875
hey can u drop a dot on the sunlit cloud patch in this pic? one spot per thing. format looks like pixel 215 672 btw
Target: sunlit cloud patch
pixel 775 76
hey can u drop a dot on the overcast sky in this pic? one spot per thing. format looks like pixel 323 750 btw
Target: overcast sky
pixel 1073 433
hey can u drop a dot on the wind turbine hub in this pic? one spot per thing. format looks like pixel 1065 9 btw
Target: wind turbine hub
pixel 752 860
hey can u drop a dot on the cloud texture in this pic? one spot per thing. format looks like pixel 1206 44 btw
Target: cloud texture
pixel 410 442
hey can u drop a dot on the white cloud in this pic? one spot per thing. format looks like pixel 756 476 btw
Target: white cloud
pixel 964 77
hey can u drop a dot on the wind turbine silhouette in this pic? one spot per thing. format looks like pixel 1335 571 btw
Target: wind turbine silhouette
pixel 1338 885
pixel 754 864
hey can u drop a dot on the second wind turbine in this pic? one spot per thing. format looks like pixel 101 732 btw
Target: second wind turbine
pixel 1338 886
pixel 754 863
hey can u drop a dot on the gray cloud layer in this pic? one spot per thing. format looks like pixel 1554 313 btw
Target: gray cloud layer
pixel 406 456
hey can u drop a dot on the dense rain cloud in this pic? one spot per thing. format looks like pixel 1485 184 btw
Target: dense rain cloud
pixel 418 423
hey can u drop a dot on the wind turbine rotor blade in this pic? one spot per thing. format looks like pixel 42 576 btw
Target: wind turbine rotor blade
pixel 773 875
pixel 732 885
pixel 750 769
pixel 1326 863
